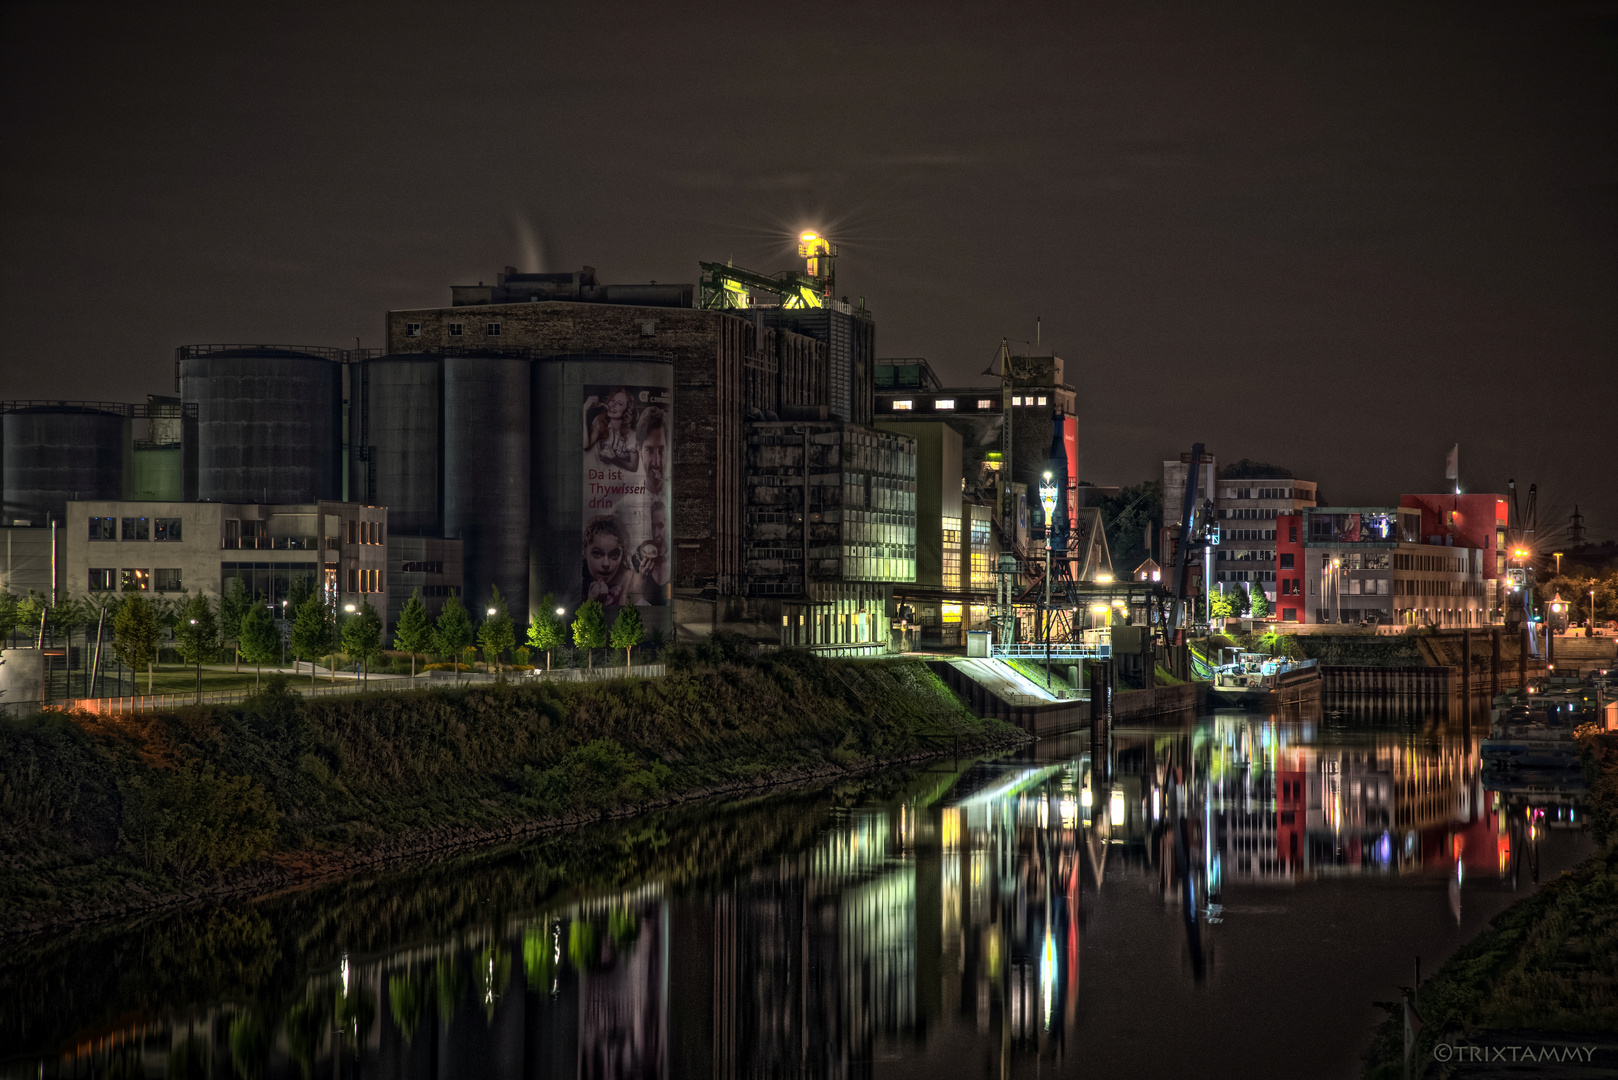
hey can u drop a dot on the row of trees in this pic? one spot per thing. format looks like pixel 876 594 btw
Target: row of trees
pixel 244 626
pixel 1236 600
pixel 451 634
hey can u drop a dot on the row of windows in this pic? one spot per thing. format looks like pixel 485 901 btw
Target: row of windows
pixel 455 329
pixel 1248 513
pixel 439 591
pixel 1438 588
pixel 1363 560
pixel 1247 534
pixel 948 404
pixel 1266 493
pixel 135 528
pixel 1441 563
pixel 1246 575
pixel 433 566
pixel 163 579
pixel 364 581
pixel 365 532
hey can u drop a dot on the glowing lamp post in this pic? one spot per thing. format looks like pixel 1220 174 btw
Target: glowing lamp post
pixel 1047 500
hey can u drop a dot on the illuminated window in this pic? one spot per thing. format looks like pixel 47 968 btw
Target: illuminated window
pixel 1016 399
pixel 134 579
pixel 903 406
pixel 985 403
pixel 454 329
pixel 944 403
pixel 951 613
pixel 1042 399
pixel 167 529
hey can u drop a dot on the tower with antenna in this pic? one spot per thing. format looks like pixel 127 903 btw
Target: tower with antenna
pixel 1575 527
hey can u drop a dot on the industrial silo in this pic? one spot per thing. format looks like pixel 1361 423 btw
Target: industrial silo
pixel 55 453
pixel 396 425
pixel 486 460
pixel 269 421
pixel 602 493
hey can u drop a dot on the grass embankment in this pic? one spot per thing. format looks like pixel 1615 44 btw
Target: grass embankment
pixel 103 816
pixel 1548 963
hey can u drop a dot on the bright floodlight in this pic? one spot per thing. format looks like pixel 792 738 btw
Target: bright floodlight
pixel 491 611
pixel 561 611
pixel 348 608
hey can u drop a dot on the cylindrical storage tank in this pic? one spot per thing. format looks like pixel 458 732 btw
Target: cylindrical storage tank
pixel 269 422
pixel 486 489
pixel 396 435
pixel 55 453
pixel 602 465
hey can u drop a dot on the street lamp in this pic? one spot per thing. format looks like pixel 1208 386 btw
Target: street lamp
pixel 491 611
pixel 199 667
pixel 1047 500
pixel 349 608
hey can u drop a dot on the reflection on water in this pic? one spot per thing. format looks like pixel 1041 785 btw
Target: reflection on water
pixel 930 924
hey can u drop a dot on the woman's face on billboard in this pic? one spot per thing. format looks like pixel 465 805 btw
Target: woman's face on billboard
pixel 616 405
pixel 604 555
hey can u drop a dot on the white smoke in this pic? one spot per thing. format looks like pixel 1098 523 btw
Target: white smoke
pixel 533 249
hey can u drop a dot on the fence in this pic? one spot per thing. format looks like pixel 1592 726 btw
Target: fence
pixel 139 703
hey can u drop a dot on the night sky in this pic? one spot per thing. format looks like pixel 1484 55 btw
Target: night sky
pixel 1337 240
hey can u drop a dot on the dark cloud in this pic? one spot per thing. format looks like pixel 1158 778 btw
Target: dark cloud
pixel 1337 238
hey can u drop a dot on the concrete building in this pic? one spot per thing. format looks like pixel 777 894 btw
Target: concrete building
pixel 430 565
pixel 1371 564
pixel 909 391
pixel 938 593
pixel 831 528
pixel 1246 509
pixel 197 547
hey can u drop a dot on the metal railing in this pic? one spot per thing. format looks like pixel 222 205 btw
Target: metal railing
pixel 133 410
pixel 1031 650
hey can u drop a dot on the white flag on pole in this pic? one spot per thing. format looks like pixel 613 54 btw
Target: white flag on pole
pixel 1452 464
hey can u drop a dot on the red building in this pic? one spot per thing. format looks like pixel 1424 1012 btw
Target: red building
pixel 1289 567
pixel 1474 521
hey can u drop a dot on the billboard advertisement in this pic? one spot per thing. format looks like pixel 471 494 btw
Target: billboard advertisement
pixel 625 513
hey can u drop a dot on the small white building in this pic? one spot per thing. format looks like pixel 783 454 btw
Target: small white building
pixel 173 547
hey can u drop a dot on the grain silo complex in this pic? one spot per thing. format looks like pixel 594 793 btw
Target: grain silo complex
pixel 54 452
pixel 269 421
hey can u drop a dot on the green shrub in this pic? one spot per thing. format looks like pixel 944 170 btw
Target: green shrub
pixel 596 774
pixel 193 821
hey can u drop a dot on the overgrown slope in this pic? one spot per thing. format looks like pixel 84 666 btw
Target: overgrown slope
pixel 101 812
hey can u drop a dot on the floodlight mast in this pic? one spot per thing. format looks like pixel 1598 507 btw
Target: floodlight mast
pixel 727 287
